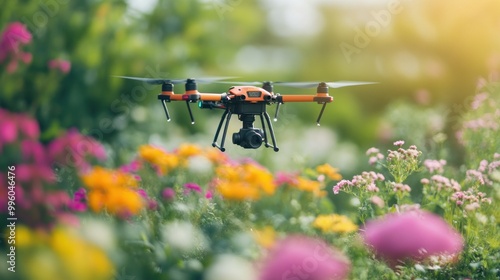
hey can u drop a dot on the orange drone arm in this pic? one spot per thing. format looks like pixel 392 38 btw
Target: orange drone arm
pixel 198 96
pixel 305 98
pixel 210 96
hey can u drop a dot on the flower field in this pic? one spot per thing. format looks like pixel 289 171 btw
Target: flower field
pixel 196 213
pixel 421 204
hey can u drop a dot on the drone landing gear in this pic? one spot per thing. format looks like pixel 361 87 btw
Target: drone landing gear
pixel 248 137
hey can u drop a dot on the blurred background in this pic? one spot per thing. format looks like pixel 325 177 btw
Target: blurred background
pixel 426 56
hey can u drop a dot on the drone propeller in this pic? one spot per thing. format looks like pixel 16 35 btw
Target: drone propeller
pixel 159 81
pixel 239 83
pixel 338 84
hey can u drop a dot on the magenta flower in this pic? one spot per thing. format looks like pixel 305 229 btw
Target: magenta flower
pixel 33 150
pixel 189 187
pixel 208 195
pixel 131 167
pixel 60 64
pixel 73 149
pixel 14 36
pixel 35 173
pixel 301 257
pixel 28 126
pixel 8 131
pixel 168 194
pixel 152 204
pixel 414 235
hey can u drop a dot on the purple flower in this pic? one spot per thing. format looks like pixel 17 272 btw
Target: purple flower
pixel 414 235
pixel 301 257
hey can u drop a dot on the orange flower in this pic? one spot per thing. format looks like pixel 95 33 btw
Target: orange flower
pixel 307 185
pixel 188 150
pixel 113 191
pixel 238 191
pixel 159 158
pixel 244 181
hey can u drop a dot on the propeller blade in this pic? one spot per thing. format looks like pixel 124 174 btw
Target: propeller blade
pixel 203 80
pixel 338 84
pixel 255 83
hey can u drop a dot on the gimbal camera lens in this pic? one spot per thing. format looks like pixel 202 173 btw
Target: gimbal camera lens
pixel 248 138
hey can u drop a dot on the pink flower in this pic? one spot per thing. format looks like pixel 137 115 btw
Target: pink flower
pixel 132 167
pixel 150 202
pixel 14 36
pixel 35 173
pixel 414 235
pixel 301 257
pixel 29 127
pixel 208 195
pixel 399 143
pixel 192 187
pixel 341 185
pixel 60 64
pixel 378 201
pixel 435 165
pixel 8 131
pixel 33 150
pixel 73 149
pixel 289 178
pixel 168 194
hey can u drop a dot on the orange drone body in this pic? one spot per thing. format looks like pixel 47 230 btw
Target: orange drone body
pixel 250 93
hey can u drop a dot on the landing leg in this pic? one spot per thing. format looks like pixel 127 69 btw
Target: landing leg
pixel 271 131
pixel 226 116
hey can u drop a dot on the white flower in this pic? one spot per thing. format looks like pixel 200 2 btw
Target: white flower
pixel 183 236
pixel 230 267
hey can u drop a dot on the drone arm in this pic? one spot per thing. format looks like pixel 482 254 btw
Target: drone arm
pixel 196 96
pixel 304 98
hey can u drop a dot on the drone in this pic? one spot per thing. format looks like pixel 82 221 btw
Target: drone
pixel 246 100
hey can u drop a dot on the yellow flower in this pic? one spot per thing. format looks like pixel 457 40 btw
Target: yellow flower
pixel 329 171
pixel 63 254
pixel 265 237
pixel 80 259
pixel 334 223
pixel 159 158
